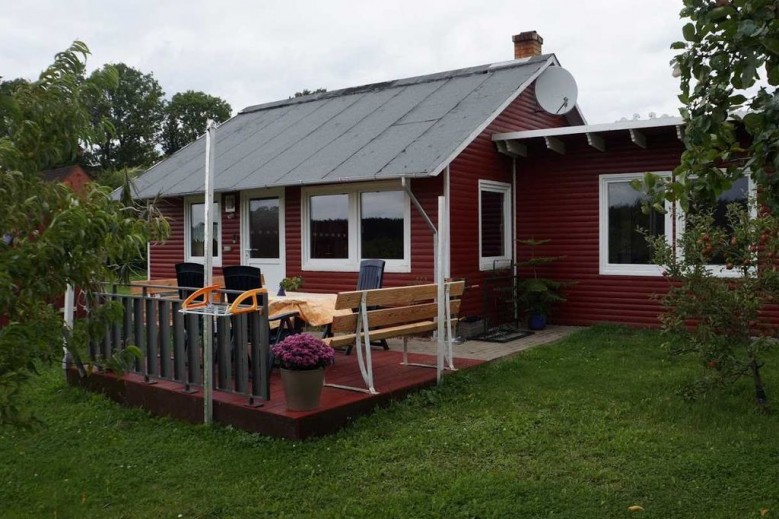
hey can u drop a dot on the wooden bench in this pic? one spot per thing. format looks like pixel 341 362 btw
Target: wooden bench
pixel 394 312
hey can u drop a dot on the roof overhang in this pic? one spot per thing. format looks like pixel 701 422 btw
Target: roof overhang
pixel 515 144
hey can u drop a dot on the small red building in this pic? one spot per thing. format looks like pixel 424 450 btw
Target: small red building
pixel 310 186
pixel 72 176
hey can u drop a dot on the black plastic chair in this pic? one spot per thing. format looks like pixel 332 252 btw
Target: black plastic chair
pixel 371 274
pixel 243 278
pixel 189 276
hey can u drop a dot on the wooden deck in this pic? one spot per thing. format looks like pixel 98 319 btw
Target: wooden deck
pixel 338 406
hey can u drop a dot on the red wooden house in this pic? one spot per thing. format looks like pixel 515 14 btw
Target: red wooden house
pixel 72 176
pixel 310 186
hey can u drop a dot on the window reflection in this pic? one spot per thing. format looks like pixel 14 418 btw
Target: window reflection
pixel 197 228
pixel 626 244
pixel 492 225
pixel 738 193
pixel 264 227
pixel 329 216
pixel 381 225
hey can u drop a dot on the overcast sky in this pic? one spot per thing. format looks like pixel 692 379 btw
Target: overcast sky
pixel 252 52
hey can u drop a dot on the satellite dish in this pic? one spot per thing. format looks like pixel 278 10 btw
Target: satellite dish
pixel 556 91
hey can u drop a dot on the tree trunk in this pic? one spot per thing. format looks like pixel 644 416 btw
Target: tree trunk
pixel 760 396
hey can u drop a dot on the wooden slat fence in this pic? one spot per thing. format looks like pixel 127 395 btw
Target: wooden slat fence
pixel 171 344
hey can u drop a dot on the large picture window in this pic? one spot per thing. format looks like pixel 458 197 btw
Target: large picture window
pixel 494 224
pixel 623 247
pixel 329 224
pixel 382 225
pixel 738 193
pixel 343 226
pixel 195 225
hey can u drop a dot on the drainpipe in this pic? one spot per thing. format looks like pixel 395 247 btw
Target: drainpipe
pixel 514 229
pixel 446 234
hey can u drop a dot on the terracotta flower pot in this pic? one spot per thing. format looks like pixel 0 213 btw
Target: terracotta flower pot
pixel 302 388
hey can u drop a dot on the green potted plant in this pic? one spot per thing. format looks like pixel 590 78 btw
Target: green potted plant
pixel 535 294
pixel 292 284
pixel 302 359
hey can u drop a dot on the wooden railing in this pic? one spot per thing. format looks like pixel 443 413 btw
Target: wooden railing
pixel 171 344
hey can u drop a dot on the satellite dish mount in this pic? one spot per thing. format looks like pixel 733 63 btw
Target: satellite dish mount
pixel 556 91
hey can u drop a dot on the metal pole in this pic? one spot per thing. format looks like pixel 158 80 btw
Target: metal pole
pixel 441 296
pixel 208 320
pixel 69 309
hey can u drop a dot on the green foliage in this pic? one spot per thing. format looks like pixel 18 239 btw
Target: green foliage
pixel 729 68
pixel 52 237
pixel 292 284
pixel 36 139
pixel 538 294
pixel 114 178
pixel 186 116
pixel 307 92
pixel 580 429
pixel 135 107
pixel 721 320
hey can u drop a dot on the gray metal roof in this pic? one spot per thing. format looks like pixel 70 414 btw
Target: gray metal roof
pixel 409 127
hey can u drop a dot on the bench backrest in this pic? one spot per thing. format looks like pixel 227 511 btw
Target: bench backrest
pixel 399 306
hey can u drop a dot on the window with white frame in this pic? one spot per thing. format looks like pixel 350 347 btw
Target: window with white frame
pixel 623 247
pixel 495 228
pixel 194 230
pixel 341 227
pixel 738 193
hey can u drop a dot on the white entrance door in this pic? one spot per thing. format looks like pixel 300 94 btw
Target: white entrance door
pixel 262 234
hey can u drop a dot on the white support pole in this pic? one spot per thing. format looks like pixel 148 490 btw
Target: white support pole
pixel 208 320
pixel 68 311
pixel 441 294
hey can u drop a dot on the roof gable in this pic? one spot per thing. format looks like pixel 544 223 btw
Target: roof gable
pixel 409 127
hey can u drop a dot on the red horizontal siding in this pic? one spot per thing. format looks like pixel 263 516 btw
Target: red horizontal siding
pixel 558 199
pixel 480 160
pixel 165 255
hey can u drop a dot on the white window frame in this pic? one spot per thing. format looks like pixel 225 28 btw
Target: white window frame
pixel 624 269
pixel 713 268
pixel 489 262
pixel 352 262
pixel 188 201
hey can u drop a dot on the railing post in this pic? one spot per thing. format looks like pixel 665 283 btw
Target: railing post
pixel 139 335
pixel 223 347
pixel 260 354
pixel 240 334
pixel 193 349
pixel 179 344
pixel 151 338
pixel 164 313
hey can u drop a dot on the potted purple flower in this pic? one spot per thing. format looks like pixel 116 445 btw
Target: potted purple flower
pixel 303 358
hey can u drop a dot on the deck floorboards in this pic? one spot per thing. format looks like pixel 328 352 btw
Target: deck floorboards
pixel 338 407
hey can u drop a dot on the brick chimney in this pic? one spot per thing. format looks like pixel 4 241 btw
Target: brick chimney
pixel 527 44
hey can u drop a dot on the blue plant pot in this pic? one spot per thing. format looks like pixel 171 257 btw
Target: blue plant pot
pixel 281 292
pixel 537 321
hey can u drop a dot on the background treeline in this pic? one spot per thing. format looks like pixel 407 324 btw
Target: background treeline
pixel 134 122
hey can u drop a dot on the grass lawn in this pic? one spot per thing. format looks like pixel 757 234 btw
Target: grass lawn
pixel 583 428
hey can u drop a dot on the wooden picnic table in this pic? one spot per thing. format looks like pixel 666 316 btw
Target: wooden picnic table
pixel 316 309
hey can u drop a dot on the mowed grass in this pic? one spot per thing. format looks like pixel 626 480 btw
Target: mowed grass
pixel 583 428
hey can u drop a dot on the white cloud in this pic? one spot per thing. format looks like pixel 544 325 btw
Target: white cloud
pixel 250 52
